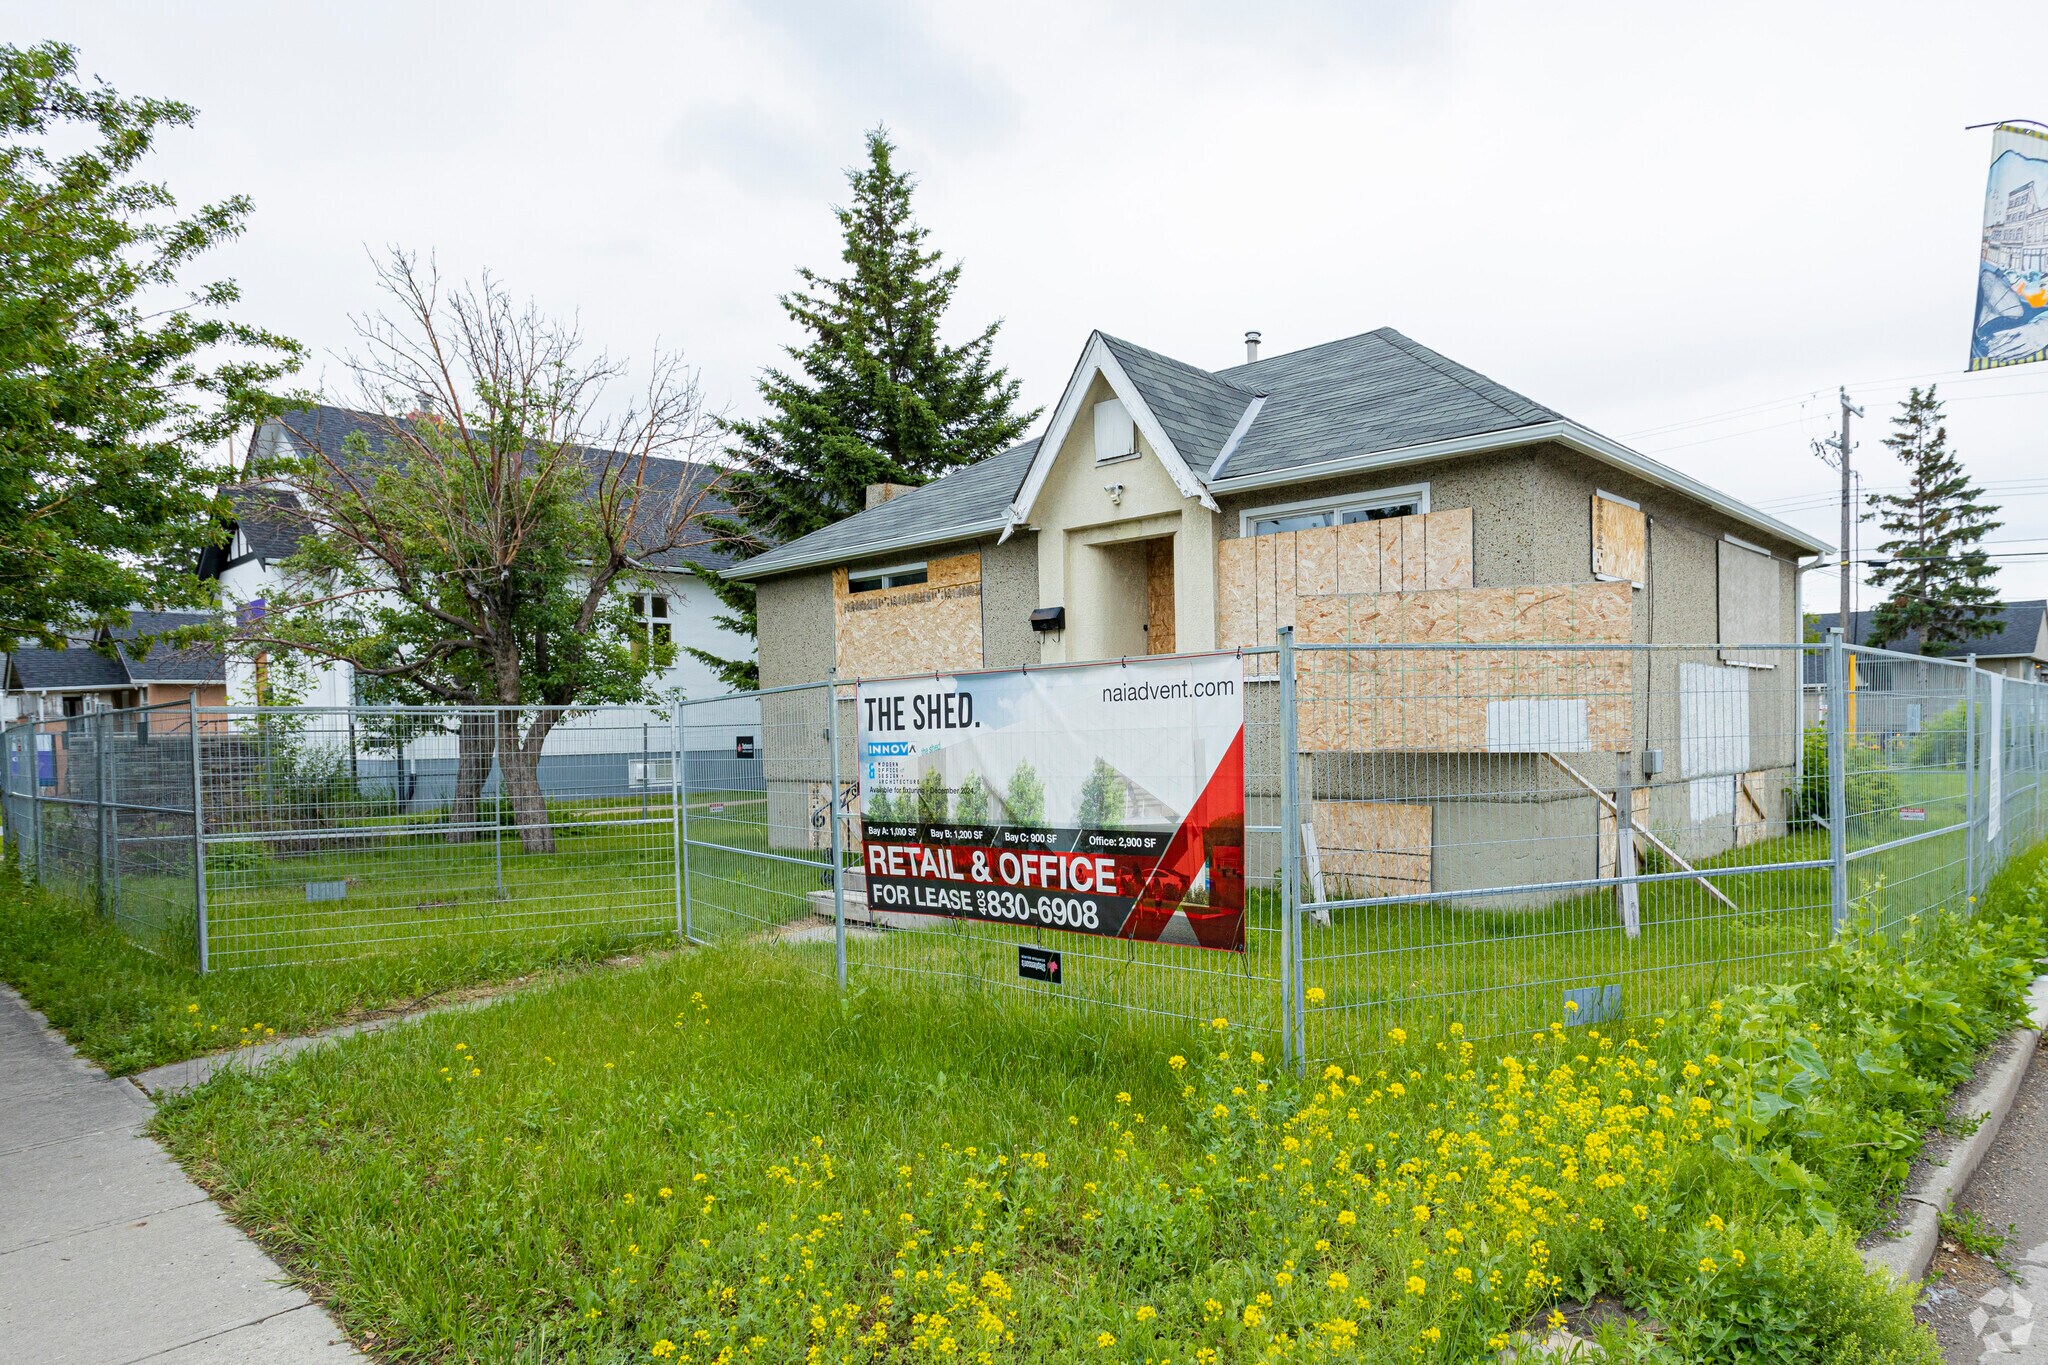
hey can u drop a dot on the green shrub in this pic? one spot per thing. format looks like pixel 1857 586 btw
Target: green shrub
pixel 1872 788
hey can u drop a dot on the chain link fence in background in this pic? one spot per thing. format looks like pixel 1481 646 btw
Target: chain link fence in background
pixel 1500 835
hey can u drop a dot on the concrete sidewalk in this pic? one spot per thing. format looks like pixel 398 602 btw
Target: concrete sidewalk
pixel 108 1253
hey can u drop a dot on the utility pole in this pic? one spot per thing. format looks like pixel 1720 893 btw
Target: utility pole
pixel 1837 452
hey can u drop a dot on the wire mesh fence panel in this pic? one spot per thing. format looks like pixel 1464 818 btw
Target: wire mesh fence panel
pixel 333 834
pixel 20 812
pixel 1505 837
pixel 1912 757
pixel 757 814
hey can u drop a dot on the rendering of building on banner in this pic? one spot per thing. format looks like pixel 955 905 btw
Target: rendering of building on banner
pixel 2011 327
pixel 1104 799
pixel 1364 491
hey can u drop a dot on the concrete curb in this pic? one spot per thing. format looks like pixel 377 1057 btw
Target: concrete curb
pixel 1907 1253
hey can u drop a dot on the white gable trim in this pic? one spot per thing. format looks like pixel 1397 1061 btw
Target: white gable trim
pixel 1096 359
pixel 1244 424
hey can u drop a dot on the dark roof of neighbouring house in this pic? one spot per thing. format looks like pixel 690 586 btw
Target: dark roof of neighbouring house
pixel 2017 633
pixel 269 519
pixel 134 655
pixel 150 658
pixel 325 430
pixel 1375 394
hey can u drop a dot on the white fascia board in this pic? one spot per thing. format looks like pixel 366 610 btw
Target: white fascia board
pixel 1568 434
pixel 1097 358
pixel 746 572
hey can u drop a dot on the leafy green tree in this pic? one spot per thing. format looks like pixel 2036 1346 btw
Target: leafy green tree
pixel 1936 572
pixel 481 553
pixel 875 805
pixel 1102 798
pixel 932 798
pixel 874 395
pixel 971 806
pixel 115 376
pixel 1024 799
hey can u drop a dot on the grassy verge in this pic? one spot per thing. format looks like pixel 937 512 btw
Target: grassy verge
pixel 130 1010
pixel 719 1158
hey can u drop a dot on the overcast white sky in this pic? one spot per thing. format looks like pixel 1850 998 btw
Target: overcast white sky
pixel 1682 226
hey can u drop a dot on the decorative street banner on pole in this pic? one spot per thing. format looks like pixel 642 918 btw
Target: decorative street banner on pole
pixel 1100 799
pixel 2012 272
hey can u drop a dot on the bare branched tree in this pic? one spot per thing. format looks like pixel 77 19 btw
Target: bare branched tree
pixel 473 541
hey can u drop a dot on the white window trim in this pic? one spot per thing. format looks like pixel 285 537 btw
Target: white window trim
pixel 1606 496
pixel 910 566
pixel 1418 493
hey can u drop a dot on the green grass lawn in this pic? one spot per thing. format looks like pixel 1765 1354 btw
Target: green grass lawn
pixel 720 1157
pixel 129 1009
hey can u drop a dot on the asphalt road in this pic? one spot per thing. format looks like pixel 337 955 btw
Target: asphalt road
pixel 1987 1312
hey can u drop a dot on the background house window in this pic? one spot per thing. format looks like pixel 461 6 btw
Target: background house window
pixel 1400 502
pixel 1116 434
pixel 650 610
pixel 871 580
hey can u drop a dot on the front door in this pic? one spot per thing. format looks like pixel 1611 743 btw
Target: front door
pixel 1159 596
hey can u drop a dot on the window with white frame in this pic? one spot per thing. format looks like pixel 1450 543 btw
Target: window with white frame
pixel 1116 432
pixel 1300 516
pixel 650 612
pixel 898 576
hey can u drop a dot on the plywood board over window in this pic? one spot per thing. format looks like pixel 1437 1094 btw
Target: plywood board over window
pixel 1478 700
pixel 1621 540
pixel 933 626
pixel 1260 580
pixel 1373 848
pixel 1750 591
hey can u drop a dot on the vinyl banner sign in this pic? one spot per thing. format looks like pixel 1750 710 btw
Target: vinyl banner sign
pixel 2012 271
pixel 1102 799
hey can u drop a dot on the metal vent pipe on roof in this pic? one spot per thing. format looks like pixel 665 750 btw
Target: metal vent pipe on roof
pixel 1251 346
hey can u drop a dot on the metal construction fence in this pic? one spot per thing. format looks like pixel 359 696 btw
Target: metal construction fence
pixel 1500 835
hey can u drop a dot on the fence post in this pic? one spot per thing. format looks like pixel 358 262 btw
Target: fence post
pixel 1838 781
pixel 1292 1027
pixel 36 776
pixel 198 833
pixel 1969 781
pixel 832 814
pixel 683 906
pixel 675 821
pixel 99 784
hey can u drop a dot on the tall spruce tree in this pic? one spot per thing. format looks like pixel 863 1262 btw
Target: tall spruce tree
pixel 874 395
pixel 1935 571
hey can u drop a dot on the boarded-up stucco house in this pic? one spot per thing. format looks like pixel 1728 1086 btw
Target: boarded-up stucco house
pixel 1368 491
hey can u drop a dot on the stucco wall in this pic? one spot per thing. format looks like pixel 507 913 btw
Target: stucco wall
pixel 1009 594
pixel 1085 559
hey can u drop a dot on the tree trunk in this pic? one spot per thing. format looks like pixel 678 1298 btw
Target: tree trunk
pixel 473 744
pixel 519 769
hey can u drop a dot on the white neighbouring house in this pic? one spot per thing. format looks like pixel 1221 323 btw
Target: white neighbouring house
pixel 267 524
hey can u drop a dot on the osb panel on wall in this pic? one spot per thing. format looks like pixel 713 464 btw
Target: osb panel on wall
pixel 1372 848
pixel 933 626
pixel 1620 541
pixel 1639 817
pixel 1520 701
pixel 1261 580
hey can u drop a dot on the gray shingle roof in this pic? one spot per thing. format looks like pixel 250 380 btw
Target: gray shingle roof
pixel 268 519
pixel 2018 632
pixel 946 508
pixel 150 659
pixel 1198 409
pixel 78 668
pixel 327 429
pixel 1372 392
pixel 1377 393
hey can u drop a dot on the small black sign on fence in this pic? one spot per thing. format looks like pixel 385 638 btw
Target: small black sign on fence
pixel 743 746
pixel 1038 964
